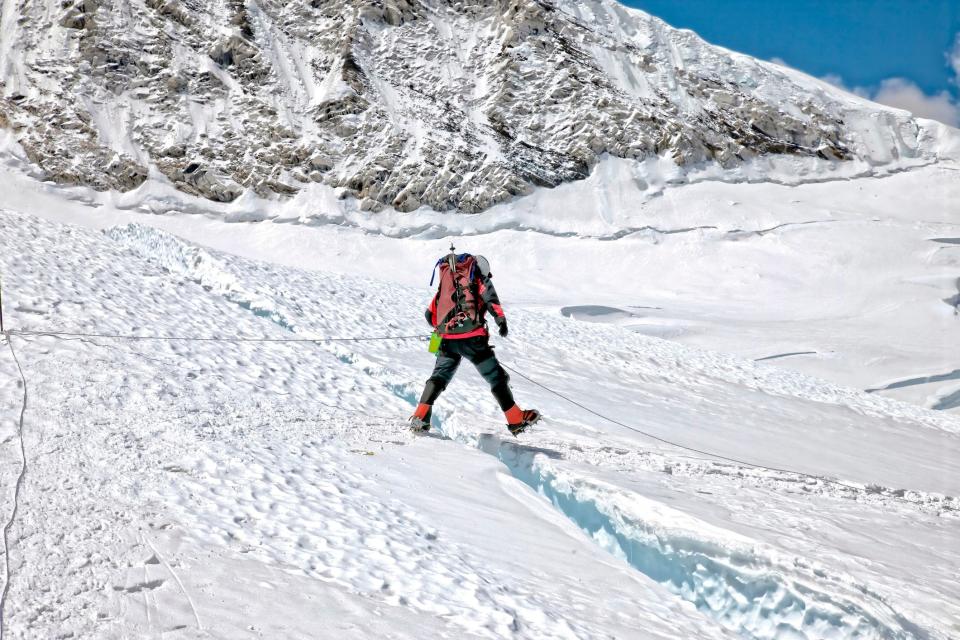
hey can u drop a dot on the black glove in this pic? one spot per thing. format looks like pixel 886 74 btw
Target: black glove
pixel 502 323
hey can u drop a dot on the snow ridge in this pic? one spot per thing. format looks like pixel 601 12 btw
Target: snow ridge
pixel 198 265
pixel 752 590
pixel 278 460
pixel 748 589
pixel 316 509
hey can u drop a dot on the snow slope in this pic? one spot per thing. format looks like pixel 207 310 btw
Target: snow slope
pixel 855 281
pixel 249 489
pixel 747 269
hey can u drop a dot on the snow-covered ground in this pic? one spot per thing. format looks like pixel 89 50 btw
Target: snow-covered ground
pixel 269 489
pixel 856 281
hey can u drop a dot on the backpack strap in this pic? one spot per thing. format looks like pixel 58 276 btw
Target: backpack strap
pixel 451 263
pixel 433 274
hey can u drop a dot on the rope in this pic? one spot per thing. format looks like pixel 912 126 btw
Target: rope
pixel 709 454
pixel 677 444
pixel 83 336
pixel 68 334
pixel 16 493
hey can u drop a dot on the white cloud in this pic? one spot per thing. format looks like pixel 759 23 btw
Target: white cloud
pixel 901 93
pixel 904 94
pixel 836 80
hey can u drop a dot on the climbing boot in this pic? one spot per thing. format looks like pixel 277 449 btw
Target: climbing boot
pixel 420 420
pixel 519 419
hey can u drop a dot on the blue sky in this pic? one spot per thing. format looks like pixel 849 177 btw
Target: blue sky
pixel 900 52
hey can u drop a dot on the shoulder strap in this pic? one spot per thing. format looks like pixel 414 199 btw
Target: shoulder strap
pixel 433 274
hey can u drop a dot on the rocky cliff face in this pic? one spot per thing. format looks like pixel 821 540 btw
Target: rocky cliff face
pixel 452 104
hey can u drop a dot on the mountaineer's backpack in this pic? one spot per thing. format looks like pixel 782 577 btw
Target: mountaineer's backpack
pixel 459 307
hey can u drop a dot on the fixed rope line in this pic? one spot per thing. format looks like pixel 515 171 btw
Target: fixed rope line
pixel 117 336
pixel 16 493
pixel 709 454
pixel 81 335
pixel 677 444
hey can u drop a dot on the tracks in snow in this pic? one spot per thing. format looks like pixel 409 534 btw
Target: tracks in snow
pixel 747 587
pixel 173 574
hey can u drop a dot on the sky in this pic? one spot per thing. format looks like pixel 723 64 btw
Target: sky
pixel 905 53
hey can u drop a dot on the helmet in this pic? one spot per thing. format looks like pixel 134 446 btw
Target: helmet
pixel 483 266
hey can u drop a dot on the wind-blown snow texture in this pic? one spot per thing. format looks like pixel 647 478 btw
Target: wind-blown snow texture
pixel 778 231
pixel 197 487
pixel 408 103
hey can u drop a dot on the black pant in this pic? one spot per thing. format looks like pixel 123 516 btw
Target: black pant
pixel 478 351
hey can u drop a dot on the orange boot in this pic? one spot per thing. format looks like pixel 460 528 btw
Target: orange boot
pixel 519 419
pixel 420 420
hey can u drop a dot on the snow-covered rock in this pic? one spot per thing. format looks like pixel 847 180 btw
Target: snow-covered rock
pixel 449 104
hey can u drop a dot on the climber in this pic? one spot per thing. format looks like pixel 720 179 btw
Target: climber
pixel 458 316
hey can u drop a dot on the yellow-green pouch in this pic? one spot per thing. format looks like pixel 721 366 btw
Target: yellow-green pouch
pixel 435 341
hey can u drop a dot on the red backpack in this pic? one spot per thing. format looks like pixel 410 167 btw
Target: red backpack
pixel 458 299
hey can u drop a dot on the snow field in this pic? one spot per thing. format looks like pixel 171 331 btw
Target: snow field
pixel 139 451
pixel 215 456
pixel 851 274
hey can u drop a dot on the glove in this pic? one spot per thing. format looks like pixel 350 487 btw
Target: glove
pixel 502 323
